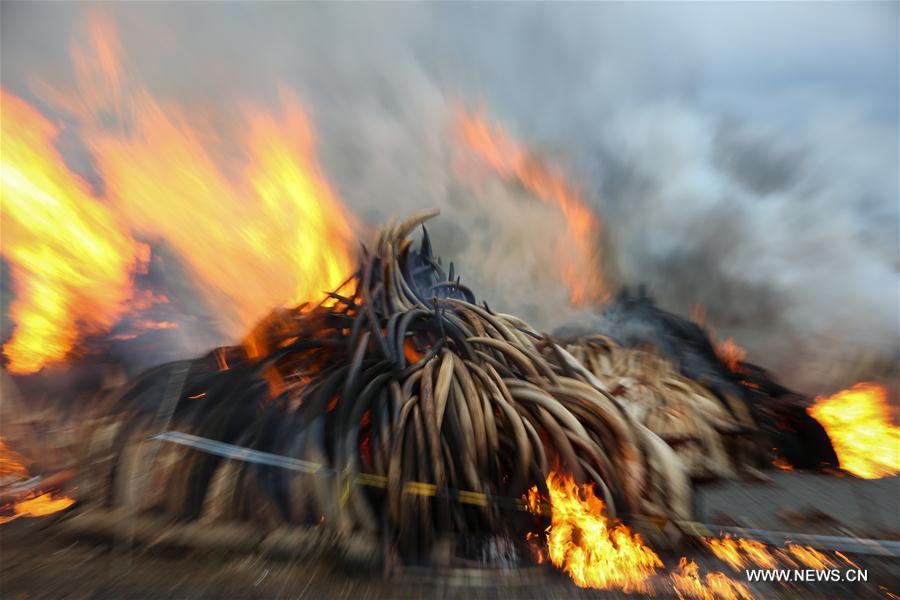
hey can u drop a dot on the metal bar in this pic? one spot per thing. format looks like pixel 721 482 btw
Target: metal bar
pixel 871 547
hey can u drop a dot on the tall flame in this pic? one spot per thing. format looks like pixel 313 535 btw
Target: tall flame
pixel 511 160
pixel 858 421
pixel 279 235
pixel 582 542
pixel 253 219
pixel 70 258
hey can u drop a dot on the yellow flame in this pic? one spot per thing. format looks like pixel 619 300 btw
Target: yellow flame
pixel 739 553
pixel 70 259
pixel 253 219
pixel 597 554
pixel 811 557
pixel 511 160
pixel 266 233
pixel 39 506
pixel 689 583
pixel 858 421
pixel 582 542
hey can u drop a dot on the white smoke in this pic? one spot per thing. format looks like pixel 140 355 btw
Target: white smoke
pixel 742 157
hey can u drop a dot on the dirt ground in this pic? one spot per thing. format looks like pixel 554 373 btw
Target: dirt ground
pixel 39 560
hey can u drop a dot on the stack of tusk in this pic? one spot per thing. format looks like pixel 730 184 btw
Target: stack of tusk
pixel 697 424
pixel 402 378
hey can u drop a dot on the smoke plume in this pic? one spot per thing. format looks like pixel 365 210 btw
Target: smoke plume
pixel 742 157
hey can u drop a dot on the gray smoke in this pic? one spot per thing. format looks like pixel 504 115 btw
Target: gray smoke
pixel 743 157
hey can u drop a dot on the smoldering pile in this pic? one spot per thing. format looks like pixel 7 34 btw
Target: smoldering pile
pixel 419 409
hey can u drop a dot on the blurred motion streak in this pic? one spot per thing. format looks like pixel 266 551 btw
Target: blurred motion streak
pixel 70 258
pixel 510 160
pixel 859 423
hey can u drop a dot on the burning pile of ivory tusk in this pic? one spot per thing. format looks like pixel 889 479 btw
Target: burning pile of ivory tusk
pixel 402 380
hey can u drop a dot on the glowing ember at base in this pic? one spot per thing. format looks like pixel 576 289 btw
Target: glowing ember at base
pixel 39 506
pixel 13 466
pixel 858 421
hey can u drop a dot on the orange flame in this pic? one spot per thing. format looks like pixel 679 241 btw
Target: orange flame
pixel 497 149
pixel 811 557
pixel 780 463
pixel 689 583
pixel 13 465
pixel 39 506
pixel 274 234
pixel 583 543
pixel 731 354
pixel 858 421
pixel 70 259
pixel 726 350
pixel 256 230
pixel 737 553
